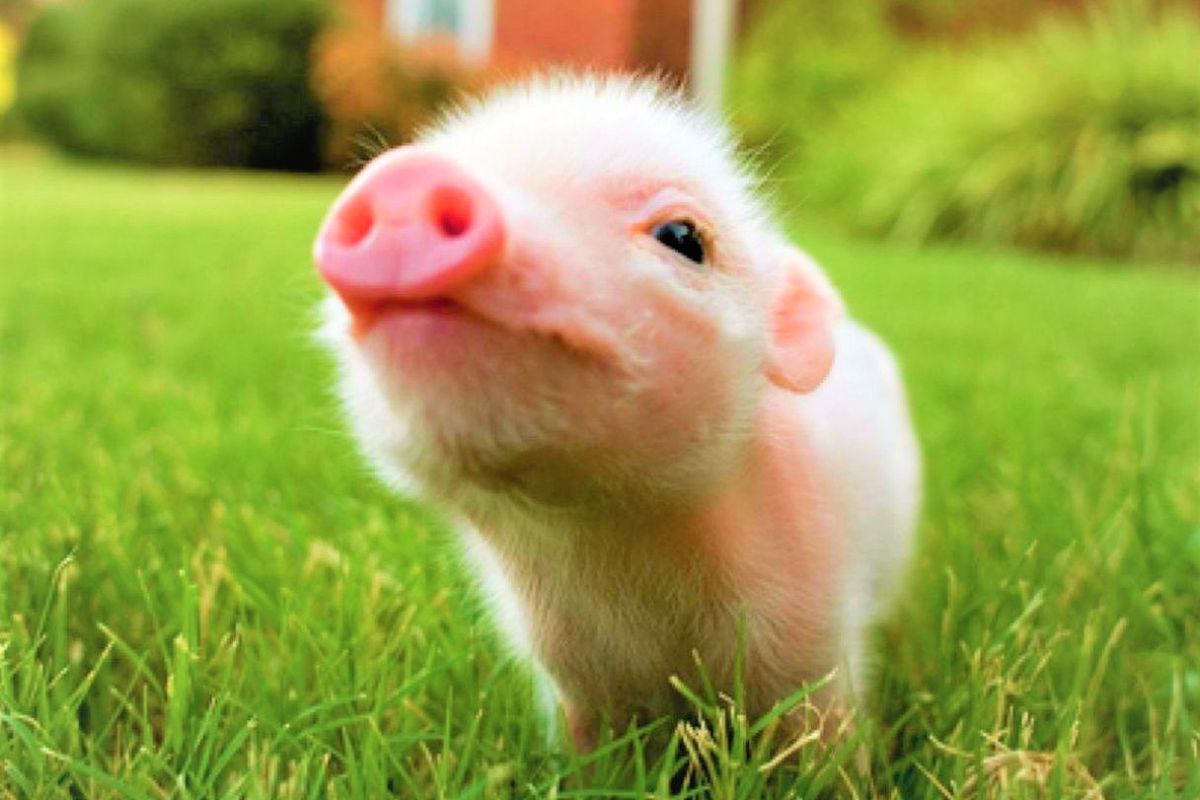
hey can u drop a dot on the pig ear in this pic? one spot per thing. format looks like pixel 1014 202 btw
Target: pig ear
pixel 805 307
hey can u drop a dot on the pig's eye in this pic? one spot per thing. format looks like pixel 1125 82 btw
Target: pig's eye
pixel 681 236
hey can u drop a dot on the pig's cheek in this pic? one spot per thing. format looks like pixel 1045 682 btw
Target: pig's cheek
pixel 701 375
pixel 686 344
pixel 684 401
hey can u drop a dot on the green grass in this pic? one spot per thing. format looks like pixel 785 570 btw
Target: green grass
pixel 203 593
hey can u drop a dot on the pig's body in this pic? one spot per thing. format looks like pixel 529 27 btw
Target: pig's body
pixel 808 543
pixel 636 426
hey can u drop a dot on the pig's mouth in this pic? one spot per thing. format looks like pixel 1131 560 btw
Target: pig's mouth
pixel 593 346
pixel 365 317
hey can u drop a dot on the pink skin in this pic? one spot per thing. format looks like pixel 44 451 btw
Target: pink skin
pixel 407 232
pixel 640 452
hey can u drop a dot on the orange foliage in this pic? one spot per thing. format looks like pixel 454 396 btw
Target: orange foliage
pixel 378 93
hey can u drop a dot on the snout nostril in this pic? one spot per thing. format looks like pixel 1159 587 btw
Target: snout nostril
pixel 411 227
pixel 353 224
pixel 452 223
pixel 451 210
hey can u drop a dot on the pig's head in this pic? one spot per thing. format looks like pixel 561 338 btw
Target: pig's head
pixel 567 294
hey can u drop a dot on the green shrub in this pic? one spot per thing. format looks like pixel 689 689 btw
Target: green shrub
pixel 1084 136
pixel 47 82
pixel 8 81
pixel 203 82
pixel 8 47
pixel 801 60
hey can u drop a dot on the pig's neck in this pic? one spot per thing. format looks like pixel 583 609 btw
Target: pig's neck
pixel 762 544
pixel 769 490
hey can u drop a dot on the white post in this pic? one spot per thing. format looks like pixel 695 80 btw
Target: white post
pixel 475 20
pixel 403 18
pixel 712 30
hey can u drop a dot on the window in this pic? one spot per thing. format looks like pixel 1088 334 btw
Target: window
pixel 443 15
pixel 469 22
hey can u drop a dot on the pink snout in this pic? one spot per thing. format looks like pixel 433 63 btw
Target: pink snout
pixel 410 228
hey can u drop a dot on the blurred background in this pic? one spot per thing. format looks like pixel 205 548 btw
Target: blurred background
pixel 205 593
pixel 1071 125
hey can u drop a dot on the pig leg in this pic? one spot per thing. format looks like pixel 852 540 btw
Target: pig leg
pixel 583 727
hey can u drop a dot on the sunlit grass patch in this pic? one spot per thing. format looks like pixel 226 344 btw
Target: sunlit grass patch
pixel 203 593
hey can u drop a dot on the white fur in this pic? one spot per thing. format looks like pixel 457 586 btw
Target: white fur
pixel 574 553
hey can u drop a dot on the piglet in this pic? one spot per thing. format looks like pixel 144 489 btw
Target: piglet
pixel 565 318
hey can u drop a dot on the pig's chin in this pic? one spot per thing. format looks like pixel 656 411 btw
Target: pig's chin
pixel 446 341
pixel 406 341
pixel 536 436
pixel 451 405
pixel 526 431
pixel 468 399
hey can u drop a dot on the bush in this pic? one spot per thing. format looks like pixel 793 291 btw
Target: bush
pixel 8 48
pixel 801 61
pixel 1085 137
pixel 8 82
pixel 377 94
pixel 203 82
pixel 47 85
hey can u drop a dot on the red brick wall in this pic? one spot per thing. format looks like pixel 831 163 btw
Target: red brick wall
pixel 594 33
pixel 663 30
pixel 645 35
pixel 366 9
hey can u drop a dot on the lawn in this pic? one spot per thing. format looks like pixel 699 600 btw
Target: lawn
pixel 203 593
